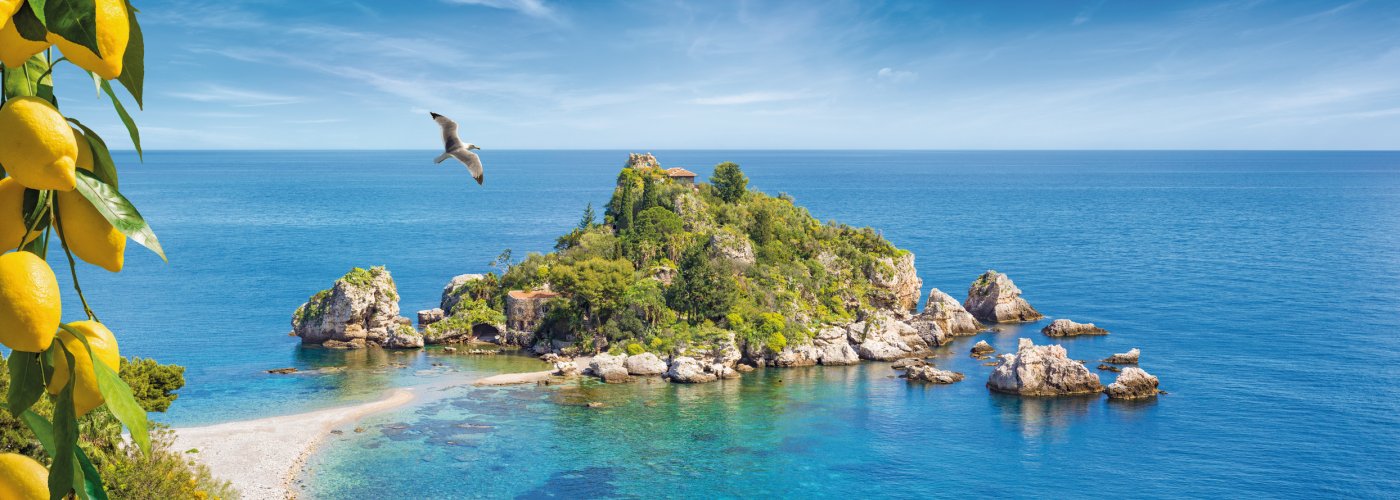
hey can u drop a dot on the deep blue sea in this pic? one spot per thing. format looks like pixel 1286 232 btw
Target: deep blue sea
pixel 1262 287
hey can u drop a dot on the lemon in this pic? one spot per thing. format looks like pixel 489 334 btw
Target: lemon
pixel 88 234
pixel 8 8
pixel 113 30
pixel 86 395
pixel 36 145
pixel 15 49
pixel 84 158
pixel 12 226
pixel 30 307
pixel 22 478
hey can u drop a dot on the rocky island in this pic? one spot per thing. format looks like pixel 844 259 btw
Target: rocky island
pixel 699 282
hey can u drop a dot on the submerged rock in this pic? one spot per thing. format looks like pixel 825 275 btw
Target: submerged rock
pixel 1133 383
pixel 1066 328
pixel 282 371
pixel 993 298
pixel 1042 371
pixel 360 309
pixel 1125 358
pixel 949 315
pixel 645 364
pixel 927 373
pixel 1109 368
pixel 609 368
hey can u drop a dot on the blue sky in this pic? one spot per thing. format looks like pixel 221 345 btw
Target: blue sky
pixel 539 74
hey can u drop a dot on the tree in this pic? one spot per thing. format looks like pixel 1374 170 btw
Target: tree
pixel 729 182
pixel 702 288
pixel 502 262
pixel 595 285
pixel 589 218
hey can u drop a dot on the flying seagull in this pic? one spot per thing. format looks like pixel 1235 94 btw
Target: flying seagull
pixel 456 149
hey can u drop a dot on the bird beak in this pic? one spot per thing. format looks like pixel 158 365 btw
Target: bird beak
pixel 435 115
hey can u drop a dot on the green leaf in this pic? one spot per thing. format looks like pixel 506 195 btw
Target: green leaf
pixel 126 118
pixel 34 209
pixel 26 80
pixel 118 397
pixel 74 20
pixel 102 165
pixel 133 74
pixel 65 433
pixel 26 381
pixel 43 430
pixel 38 7
pixel 118 211
pixel 29 24
pixel 92 480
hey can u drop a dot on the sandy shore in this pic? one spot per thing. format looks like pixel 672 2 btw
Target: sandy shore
pixel 528 377
pixel 262 457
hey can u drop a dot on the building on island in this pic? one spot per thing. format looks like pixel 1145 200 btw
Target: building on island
pixel 526 309
pixel 681 175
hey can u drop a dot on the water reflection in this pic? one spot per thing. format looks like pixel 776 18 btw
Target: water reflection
pixel 1041 416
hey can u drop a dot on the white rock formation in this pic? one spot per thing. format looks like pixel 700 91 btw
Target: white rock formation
pixel 1042 371
pixel 993 298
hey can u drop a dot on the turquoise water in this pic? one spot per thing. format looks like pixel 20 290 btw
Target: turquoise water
pixel 1262 287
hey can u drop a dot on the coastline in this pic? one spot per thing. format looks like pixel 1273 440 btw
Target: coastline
pixel 264 456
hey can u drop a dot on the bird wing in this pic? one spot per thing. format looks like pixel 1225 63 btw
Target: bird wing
pixel 449 132
pixel 471 160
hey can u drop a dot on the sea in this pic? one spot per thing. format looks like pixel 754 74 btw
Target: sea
pixel 1263 288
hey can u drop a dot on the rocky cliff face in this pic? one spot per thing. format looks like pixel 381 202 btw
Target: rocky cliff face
pixel 360 309
pixel 993 298
pixel 882 337
pixel 451 292
pixel 1042 371
pixel 897 282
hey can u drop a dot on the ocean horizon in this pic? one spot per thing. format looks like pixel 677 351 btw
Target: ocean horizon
pixel 1261 287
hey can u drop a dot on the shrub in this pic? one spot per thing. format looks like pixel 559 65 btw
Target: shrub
pixel 634 349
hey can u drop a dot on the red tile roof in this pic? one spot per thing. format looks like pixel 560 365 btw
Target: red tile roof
pixel 679 172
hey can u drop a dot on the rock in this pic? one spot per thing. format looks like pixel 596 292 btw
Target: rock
pixel 1066 328
pixel 982 347
pixel 1133 383
pixel 1109 368
pixel 565 368
pixel 993 298
pixel 929 330
pixel 927 373
pixel 732 246
pixel 800 355
pixel 945 311
pixel 897 283
pixel 688 370
pixel 452 292
pixel 596 404
pixel 744 367
pixel 403 337
pixel 449 349
pixel 609 368
pixel 722 371
pixel 1125 358
pixel 360 309
pixel 1042 371
pixel 645 364
pixel 282 371
pixel 907 362
pixel 429 316
pixel 881 337
pixel 833 347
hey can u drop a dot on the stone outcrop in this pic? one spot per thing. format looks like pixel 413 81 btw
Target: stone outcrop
pixel 897 283
pixel 993 298
pixel 982 347
pixel 452 291
pixel 1066 328
pixel 403 337
pixel 950 316
pixel 360 309
pixel 733 247
pixel 429 316
pixel 833 347
pixel 645 364
pixel 609 368
pixel 927 373
pixel 881 337
pixel 1042 371
pixel 1125 358
pixel 688 370
pixel 1133 383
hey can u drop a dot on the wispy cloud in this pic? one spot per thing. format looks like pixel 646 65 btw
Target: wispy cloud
pixel 532 8
pixel 748 98
pixel 892 75
pixel 215 93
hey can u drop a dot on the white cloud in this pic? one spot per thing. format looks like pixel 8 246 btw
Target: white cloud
pixel 214 93
pixel 892 75
pixel 748 98
pixel 532 8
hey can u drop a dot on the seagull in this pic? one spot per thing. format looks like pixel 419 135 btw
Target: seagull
pixel 456 149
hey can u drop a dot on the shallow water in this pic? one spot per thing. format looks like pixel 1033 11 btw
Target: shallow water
pixel 1262 287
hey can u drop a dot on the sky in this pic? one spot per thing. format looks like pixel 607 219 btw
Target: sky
pixel 653 75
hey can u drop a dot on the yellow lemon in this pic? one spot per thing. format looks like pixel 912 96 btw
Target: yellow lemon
pixel 12 226
pixel 36 145
pixel 88 233
pixel 86 394
pixel 84 159
pixel 30 307
pixel 113 30
pixel 15 49
pixel 8 8
pixel 23 478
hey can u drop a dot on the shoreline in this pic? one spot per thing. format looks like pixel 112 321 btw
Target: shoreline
pixel 262 457
pixel 500 379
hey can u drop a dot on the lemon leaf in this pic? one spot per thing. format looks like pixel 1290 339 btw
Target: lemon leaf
pixel 92 480
pixel 102 165
pixel 74 20
pixel 133 74
pixel 118 211
pixel 126 118
pixel 65 433
pixel 25 80
pixel 29 25
pixel 43 431
pixel 118 397
pixel 26 381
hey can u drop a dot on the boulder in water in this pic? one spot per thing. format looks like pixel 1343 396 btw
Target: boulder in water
pixel 950 316
pixel 645 364
pixel 1066 328
pixel 688 370
pixel 927 373
pixel 882 337
pixel 609 368
pixel 360 309
pixel 1133 383
pixel 1042 371
pixel 1125 358
pixel 993 298
pixel 982 348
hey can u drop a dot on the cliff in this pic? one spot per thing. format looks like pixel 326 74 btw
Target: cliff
pixel 360 309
